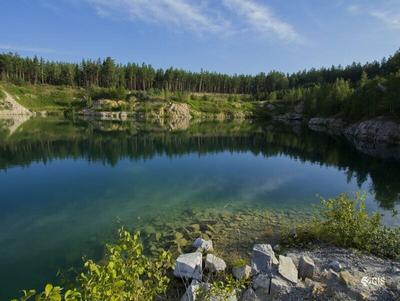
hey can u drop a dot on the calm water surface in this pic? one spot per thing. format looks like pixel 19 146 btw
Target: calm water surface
pixel 66 186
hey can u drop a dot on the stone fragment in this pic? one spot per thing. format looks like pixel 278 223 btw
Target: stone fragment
pixel 215 264
pixel 279 287
pixel 347 278
pixel 263 259
pixel 287 269
pixel 242 272
pixel 306 267
pixel 203 245
pixel 335 265
pixel 261 281
pixel 250 295
pixel 189 266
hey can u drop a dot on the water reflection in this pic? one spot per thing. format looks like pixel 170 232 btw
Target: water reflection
pixel 44 140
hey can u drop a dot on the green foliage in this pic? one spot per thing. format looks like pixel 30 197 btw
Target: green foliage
pixel 124 274
pixel 108 93
pixel 50 293
pixel 345 222
pixel 221 289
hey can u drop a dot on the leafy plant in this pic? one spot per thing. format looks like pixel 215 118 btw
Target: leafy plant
pixel 221 289
pixel 124 274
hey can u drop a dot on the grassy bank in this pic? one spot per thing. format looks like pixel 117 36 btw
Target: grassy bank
pixel 62 98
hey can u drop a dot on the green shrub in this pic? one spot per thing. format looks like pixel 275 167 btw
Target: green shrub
pixel 108 93
pixel 345 222
pixel 224 286
pixel 124 274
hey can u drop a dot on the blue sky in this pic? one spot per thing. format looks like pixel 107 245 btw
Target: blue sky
pixel 231 36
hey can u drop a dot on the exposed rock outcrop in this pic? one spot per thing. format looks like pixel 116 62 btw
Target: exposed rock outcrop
pixel 375 131
pixel 10 107
pixel 377 137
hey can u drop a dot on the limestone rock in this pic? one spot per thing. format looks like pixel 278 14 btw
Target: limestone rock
pixel 203 245
pixel 249 295
pixel 279 287
pixel 347 278
pixel 306 267
pixel 263 259
pixel 287 269
pixel 261 281
pixel 215 264
pixel 242 272
pixel 189 266
pixel 377 130
pixel 335 265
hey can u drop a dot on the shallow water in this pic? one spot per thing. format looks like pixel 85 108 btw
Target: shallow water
pixel 66 186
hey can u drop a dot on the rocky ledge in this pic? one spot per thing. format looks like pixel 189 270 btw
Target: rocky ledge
pixel 377 137
pixel 320 274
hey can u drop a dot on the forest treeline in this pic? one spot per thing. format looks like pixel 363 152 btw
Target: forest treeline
pixel 357 90
pixel 106 73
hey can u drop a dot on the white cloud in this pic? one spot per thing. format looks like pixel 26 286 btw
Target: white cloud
pixel 25 48
pixel 262 19
pixel 179 13
pixel 391 19
pixel 386 12
pixel 201 16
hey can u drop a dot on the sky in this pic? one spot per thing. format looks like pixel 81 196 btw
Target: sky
pixel 228 36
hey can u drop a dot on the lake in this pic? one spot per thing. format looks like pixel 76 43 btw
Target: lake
pixel 67 185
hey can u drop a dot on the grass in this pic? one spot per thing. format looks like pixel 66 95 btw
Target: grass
pixel 2 95
pixel 218 104
pixel 45 97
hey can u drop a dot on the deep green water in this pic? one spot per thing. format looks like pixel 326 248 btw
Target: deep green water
pixel 66 186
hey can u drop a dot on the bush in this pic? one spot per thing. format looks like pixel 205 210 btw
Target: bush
pixel 345 222
pixel 108 93
pixel 124 274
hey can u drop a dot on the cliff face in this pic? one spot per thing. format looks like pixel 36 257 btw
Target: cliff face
pixel 375 131
pixel 378 137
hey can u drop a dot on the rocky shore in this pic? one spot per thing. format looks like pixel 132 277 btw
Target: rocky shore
pixel 324 273
pixel 377 137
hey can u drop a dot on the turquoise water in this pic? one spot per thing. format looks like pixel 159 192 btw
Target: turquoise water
pixel 66 186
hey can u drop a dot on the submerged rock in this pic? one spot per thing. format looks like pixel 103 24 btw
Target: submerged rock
pixel 189 266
